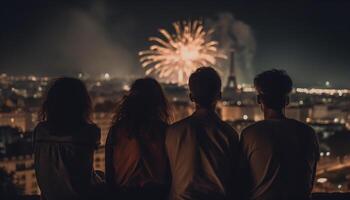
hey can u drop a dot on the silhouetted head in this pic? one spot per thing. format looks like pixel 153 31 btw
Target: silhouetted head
pixel 205 87
pixel 273 88
pixel 143 106
pixel 67 104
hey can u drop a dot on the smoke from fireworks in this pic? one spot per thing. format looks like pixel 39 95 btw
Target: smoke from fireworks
pixel 176 56
pixel 234 34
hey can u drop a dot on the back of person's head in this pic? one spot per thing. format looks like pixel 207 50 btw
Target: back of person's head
pixel 205 86
pixel 67 104
pixel 144 105
pixel 273 87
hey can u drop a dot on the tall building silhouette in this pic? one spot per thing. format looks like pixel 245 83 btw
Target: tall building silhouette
pixel 231 90
pixel 231 81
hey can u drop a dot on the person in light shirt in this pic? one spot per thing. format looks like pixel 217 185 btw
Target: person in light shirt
pixel 202 149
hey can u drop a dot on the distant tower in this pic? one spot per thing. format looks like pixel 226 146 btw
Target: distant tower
pixel 231 81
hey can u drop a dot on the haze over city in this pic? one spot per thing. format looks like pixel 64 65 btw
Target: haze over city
pixel 67 37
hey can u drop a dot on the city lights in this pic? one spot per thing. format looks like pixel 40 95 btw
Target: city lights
pixel 322 180
pixel 245 117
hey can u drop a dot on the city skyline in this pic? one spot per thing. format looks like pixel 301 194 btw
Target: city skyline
pixel 307 39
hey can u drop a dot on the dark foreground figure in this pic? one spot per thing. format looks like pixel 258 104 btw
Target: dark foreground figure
pixel 136 161
pixel 202 149
pixel 279 155
pixel 197 158
pixel 64 142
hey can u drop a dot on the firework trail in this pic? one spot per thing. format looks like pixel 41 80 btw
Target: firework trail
pixel 177 55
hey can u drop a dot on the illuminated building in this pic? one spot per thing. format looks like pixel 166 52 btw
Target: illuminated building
pixel 25 121
pixel 235 112
pixel 231 91
pixel 103 121
pixel 300 113
pixel 324 112
pixel 22 168
pixel 99 159
pixel 182 109
pixel 8 135
pixel 239 125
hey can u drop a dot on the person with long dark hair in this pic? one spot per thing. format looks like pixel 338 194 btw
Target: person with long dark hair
pixel 136 162
pixel 64 142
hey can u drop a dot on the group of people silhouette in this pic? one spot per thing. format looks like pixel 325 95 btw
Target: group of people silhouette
pixel 197 158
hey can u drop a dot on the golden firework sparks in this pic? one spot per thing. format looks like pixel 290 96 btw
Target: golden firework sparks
pixel 177 55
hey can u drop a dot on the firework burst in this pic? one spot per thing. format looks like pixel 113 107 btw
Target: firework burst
pixel 177 55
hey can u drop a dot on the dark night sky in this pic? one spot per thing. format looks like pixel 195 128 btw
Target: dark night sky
pixel 309 39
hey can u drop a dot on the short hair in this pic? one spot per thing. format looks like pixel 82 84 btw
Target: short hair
pixel 205 86
pixel 273 87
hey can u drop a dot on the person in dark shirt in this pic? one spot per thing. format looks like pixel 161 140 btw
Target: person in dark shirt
pixel 64 142
pixel 202 149
pixel 136 162
pixel 279 155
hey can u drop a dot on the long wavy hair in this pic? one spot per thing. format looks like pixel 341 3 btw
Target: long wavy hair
pixel 67 104
pixel 144 106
